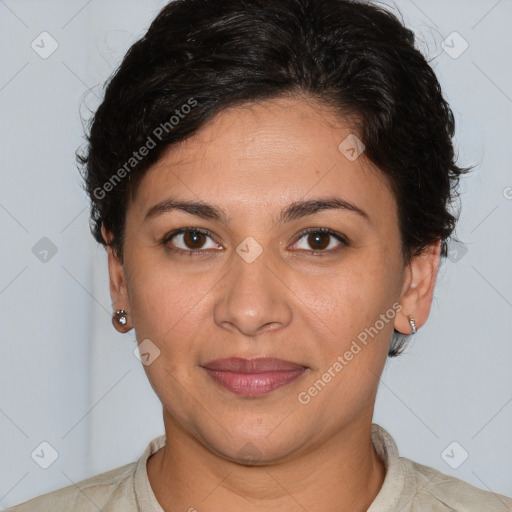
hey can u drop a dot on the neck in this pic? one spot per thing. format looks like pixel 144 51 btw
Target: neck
pixel 344 474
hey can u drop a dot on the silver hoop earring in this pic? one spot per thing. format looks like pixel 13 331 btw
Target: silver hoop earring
pixel 412 323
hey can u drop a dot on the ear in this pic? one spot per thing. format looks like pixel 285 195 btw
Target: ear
pixel 418 288
pixel 118 289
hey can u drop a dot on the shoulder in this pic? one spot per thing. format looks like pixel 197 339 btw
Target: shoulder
pixel 125 488
pixel 412 487
pixel 99 492
pixel 436 491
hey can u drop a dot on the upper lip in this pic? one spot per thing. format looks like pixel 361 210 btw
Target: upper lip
pixel 257 365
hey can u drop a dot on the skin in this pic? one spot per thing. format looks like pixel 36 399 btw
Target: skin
pixel 290 302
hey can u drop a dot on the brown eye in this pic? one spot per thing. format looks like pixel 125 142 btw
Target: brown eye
pixel 190 241
pixel 320 240
pixel 194 239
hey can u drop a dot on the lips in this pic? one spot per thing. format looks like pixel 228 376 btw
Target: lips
pixel 259 365
pixel 253 377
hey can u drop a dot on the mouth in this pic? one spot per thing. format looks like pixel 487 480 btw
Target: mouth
pixel 253 377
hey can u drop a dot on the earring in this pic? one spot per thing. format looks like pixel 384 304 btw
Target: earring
pixel 412 323
pixel 120 320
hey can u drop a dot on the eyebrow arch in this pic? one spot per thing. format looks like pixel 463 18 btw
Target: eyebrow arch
pixel 295 210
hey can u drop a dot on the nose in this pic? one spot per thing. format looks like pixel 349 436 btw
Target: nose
pixel 253 298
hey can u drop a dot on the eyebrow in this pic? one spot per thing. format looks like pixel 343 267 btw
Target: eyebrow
pixel 295 210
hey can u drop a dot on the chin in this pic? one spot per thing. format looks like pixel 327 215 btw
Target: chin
pixel 257 448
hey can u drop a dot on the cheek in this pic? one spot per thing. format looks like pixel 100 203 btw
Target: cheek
pixel 352 329
pixel 351 338
pixel 348 299
pixel 168 304
pixel 170 309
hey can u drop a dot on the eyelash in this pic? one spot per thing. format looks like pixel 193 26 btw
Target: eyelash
pixel 202 252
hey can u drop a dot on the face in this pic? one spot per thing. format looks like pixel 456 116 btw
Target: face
pixel 293 253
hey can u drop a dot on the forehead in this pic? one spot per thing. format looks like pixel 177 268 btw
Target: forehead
pixel 263 155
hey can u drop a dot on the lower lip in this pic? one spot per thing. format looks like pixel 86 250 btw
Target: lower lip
pixel 254 384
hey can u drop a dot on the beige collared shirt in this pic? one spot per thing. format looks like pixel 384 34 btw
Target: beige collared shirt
pixel 408 487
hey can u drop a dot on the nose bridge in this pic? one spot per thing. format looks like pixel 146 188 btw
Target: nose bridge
pixel 253 296
pixel 252 267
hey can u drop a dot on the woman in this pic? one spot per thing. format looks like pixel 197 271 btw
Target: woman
pixel 272 182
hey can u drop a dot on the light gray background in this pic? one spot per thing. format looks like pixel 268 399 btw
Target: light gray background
pixel 69 379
